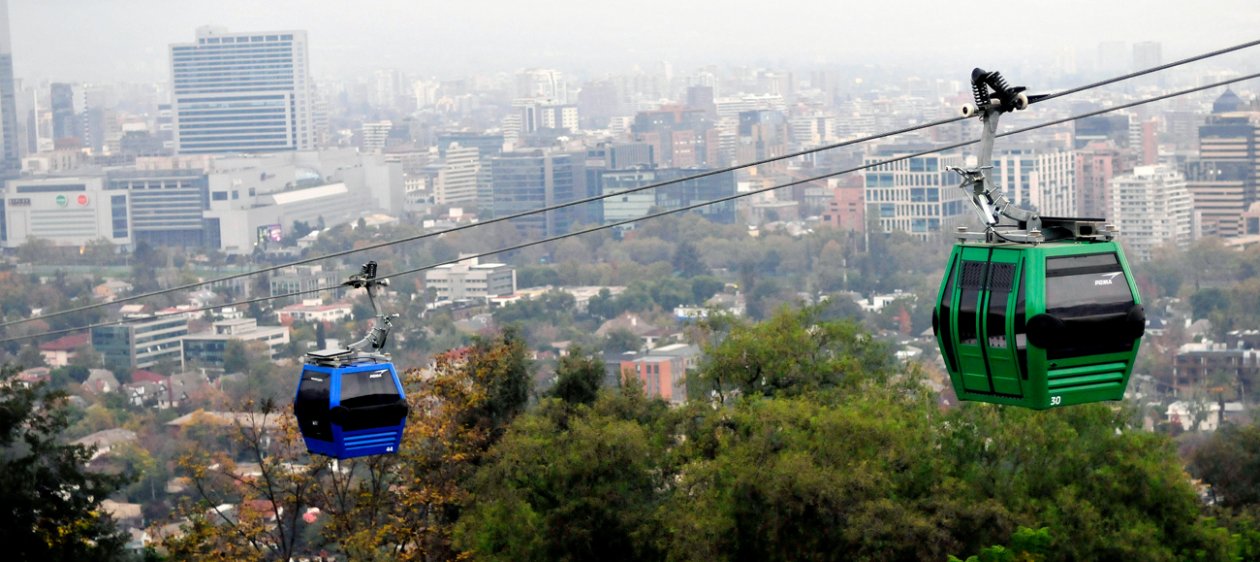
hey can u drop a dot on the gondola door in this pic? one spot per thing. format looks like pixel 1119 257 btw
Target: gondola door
pixel 972 275
pixel 985 319
pixel 997 323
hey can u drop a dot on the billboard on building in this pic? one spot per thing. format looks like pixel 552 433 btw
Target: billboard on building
pixel 270 233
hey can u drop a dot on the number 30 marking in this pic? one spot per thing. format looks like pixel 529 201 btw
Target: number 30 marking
pixel 1056 400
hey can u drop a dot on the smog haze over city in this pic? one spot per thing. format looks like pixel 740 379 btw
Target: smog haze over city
pixel 639 281
pixel 100 41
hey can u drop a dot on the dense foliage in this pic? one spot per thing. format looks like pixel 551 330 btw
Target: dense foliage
pixel 51 504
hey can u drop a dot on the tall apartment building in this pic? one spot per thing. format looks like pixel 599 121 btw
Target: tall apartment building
pixel 10 157
pixel 1096 163
pixel 1217 188
pixel 918 196
pixel 457 179
pixel 680 138
pixel 762 134
pixel 1224 179
pixel 1041 179
pixel 1151 206
pixel 242 92
pixel 374 134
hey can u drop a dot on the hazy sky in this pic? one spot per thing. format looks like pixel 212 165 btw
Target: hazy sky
pixel 104 40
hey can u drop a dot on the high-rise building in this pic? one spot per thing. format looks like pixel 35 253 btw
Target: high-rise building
pixel 763 134
pixel 1112 127
pixel 457 179
pixel 242 92
pixel 1224 179
pixel 597 103
pixel 10 158
pixel 917 196
pixel 682 138
pixel 374 134
pixel 1041 179
pixel 526 181
pixel 1151 206
pixel 1096 163
pixel 1217 187
pixel 544 84
pixel 65 120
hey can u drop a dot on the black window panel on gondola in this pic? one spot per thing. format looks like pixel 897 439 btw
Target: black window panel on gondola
pixel 1091 296
pixel 973 274
pixel 943 320
pixel 311 406
pixel 367 388
pixel 369 399
pixel 1085 286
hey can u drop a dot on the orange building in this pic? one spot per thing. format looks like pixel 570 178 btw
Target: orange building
pixel 663 371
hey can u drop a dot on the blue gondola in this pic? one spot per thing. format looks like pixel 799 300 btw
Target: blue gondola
pixel 350 402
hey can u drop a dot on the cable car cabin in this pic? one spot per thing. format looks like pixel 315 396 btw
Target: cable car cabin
pixel 349 406
pixel 1038 326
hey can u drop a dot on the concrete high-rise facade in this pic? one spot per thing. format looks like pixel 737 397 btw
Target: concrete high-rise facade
pixel 10 158
pixel 458 178
pixel 1224 178
pixel 1151 206
pixel 1041 179
pixel 681 138
pixel 242 92
pixel 918 196
pixel 1096 163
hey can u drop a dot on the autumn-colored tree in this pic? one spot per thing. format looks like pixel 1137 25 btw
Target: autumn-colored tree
pixel 248 505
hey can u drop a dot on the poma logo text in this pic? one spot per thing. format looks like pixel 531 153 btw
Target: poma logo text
pixel 1107 279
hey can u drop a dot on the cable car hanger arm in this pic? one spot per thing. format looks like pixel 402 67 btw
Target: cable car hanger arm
pixel 374 342
pixel 993 97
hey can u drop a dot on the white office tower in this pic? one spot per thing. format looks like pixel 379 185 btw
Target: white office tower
pixel 242 92
pixel 1151 206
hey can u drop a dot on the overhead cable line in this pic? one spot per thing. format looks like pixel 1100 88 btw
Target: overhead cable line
pixel 594 198
pixel 933 150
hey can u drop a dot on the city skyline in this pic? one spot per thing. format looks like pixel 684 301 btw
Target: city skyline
pixel 92 42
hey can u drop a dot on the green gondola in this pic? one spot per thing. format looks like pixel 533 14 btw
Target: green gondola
pixel 1039 326
pixel 1040 313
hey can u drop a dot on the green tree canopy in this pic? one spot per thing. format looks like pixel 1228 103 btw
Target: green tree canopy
pixel 578 377
pixel 794 352
pixel 51 503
